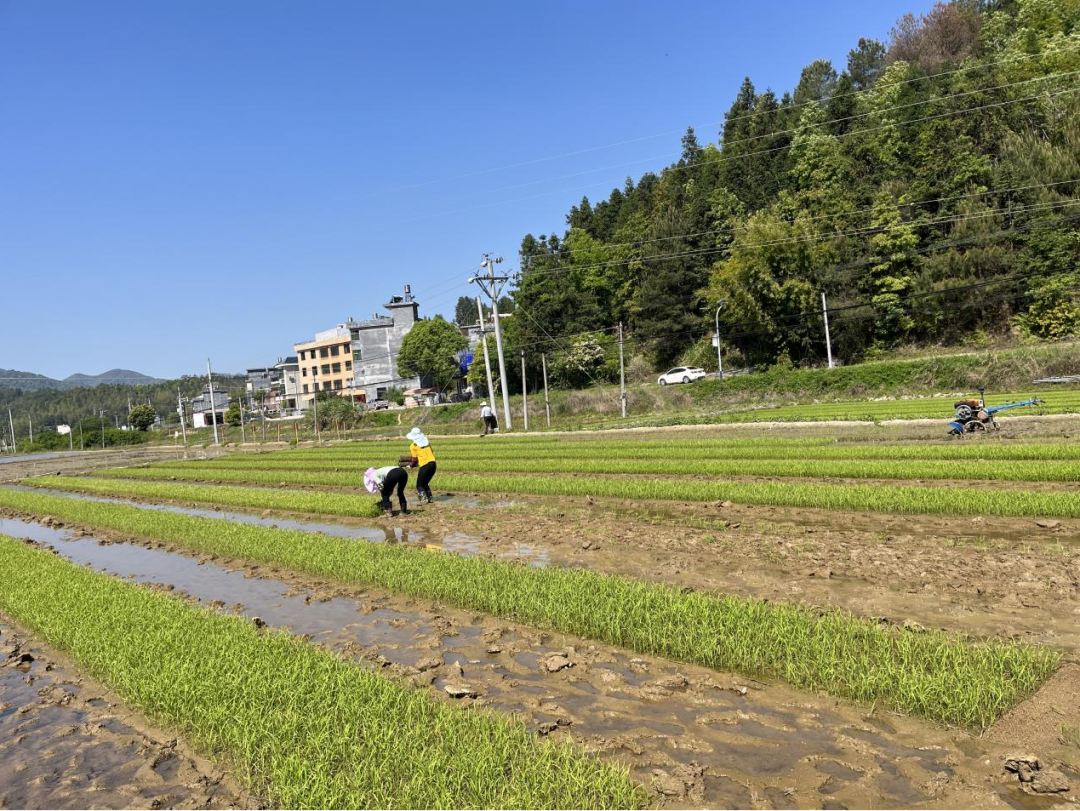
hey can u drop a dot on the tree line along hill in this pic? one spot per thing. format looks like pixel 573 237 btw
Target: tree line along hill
pixel 929 187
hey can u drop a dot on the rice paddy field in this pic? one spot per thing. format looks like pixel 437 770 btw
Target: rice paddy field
pixel 742 616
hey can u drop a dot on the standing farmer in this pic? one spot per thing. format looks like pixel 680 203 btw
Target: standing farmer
pixel 384 480
pixel 491 424
pixel 423 457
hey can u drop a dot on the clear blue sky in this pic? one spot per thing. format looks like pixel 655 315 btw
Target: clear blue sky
pixel 183 178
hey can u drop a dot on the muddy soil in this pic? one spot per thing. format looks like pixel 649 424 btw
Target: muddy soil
pixel 694 736
pixel 1015 578
pixel 68 742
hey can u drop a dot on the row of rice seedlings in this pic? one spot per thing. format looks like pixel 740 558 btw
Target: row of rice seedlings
pixel 1055 403
pixel 840 496
pixel 353 449
pixel 315 472
pixel 251 498
pixel 940 676
pixel 903 499
pixel 622 449
pixel 298 724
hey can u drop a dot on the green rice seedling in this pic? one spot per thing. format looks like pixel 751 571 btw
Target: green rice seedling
pixel 948 678
pixel 299 725
pixel 834 496
pixel 620 449
pixel 321 473
pixel 251 498
pixel 903 499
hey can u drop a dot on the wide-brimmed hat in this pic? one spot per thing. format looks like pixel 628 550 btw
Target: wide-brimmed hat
pixel 484 403
pixel 417 437
pixel 369 481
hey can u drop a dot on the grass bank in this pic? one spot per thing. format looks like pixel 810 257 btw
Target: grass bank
pixel 300 726
pixel 943 677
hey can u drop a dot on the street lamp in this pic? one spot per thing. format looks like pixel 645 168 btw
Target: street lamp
pixel 716 337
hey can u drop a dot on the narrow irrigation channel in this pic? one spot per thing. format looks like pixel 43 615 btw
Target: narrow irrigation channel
pixel 67 742
pixel 762 743
pixel 456 542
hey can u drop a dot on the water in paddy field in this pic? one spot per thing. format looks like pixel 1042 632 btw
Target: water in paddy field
pixel 696 736
pixel 456 542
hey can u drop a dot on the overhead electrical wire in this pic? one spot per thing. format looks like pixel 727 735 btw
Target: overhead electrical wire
pixel 1011 61
pixel 723 159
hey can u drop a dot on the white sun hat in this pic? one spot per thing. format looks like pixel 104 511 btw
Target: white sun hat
pixel 369 481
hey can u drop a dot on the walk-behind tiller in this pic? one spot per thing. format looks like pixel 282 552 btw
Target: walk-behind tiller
pixel 973 415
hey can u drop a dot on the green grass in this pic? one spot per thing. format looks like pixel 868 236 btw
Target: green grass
pixel 298 724
pixel 939 676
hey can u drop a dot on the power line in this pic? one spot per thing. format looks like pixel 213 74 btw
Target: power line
pixel 1012 60
pixel 790 131
pixel 957 218
pixel 852 213
pixel 723 159
pixel 821 274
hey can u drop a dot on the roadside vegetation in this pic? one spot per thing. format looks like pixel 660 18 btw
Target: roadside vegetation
pixel 298 725
pixel 943 677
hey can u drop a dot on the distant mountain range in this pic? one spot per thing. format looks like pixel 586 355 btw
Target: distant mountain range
pixel 28 381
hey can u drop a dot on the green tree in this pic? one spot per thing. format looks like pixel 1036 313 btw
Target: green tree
pixel 465 313
pixel 865 62
pixel 430 350
pixel 891 276
pixel 232 413
pixel 141 417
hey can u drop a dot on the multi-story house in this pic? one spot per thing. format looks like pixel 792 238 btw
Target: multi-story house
pixel 358 359
pixel 289 399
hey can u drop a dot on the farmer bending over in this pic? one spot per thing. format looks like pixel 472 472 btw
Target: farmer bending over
pixel 384 480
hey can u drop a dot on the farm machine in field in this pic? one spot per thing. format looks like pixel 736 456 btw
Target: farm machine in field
pixel 973 415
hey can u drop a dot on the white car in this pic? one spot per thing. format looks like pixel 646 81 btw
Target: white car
pixel 682 374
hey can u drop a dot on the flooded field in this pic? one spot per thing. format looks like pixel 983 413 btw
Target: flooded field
pixel 689 735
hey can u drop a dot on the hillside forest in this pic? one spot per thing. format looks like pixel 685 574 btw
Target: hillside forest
pixel 928 188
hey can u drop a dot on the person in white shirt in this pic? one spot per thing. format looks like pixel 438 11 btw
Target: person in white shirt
pixel 491 425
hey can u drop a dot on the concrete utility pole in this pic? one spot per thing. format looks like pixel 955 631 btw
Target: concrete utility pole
pixel 483 340
pixel 622 373
pixel 828 341
pixel 524 393
pixel 716 337
pixel 102 429
pixel 213 405
pixel 30 419
pixel 547 403
pixel 315 405
pixel 11 425
pixel 180 411
pixel 492 285
pixel 243 433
